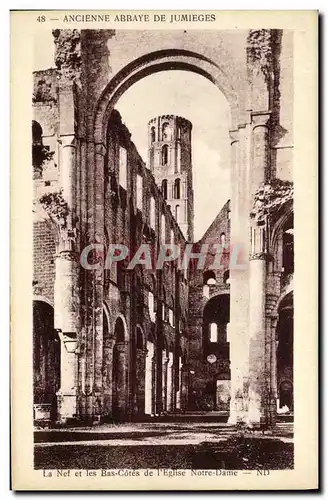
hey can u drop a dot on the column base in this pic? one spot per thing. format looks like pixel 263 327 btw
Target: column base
pixel 67 407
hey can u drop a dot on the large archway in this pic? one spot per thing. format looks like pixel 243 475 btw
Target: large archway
pixel 46 359
pixel 119 371
pixel 154 62
pixel 216 352
pixel 285 348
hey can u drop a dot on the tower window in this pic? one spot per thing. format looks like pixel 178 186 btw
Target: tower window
pixel 178 163
pixel 213 332
pixel 166 132
pixel 152 134
pixel 164 188
pixel 177 213
pixel 165 154
pixel 177 184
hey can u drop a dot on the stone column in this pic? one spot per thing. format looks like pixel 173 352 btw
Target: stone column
pixel 108 377
pixel 258 390
pixel 140 378
pixel 273 292
pixel 235 337
pixel 170 376
pixel 178 400
pixel 184 387
pixel 149 379
pixel 165 360
pixel 257 327
pixel 260 170
pixel 66 300
pixel 98 278
pixel 121 366
pixel 66 303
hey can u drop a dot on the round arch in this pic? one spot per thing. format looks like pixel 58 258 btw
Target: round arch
pixel 139 337
pixel 286 213
pixel 42 298
pixel 121 318
pixel 154 62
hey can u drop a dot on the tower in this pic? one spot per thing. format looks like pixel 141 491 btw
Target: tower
pixel 169 159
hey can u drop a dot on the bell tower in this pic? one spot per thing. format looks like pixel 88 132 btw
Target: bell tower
pixel 169 159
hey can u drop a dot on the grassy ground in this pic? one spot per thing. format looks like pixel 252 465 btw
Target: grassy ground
pixel 236 452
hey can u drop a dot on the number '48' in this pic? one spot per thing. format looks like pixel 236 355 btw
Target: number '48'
pixel 41 19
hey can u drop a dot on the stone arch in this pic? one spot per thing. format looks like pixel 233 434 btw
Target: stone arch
pixel 120 369
pixel 46 356
pixel 140 338
pixel 285 213
pixel 42 298
pixel 207 276
pixel 123 320
pixel 285 348
pixel 154 62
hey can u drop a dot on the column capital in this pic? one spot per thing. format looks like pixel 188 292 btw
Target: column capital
pixel 234 136
pixel 260 118
pixel 68 141
pixel 259 256
pixel 121 345
pixel 100 149
pixel 109 343
pixel 69 255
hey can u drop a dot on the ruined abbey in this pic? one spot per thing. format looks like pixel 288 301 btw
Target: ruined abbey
pixel 116 343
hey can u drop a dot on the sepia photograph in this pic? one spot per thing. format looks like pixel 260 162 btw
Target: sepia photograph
pixel 162 293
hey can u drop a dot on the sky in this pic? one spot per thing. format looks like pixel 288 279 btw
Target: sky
pixel 185 94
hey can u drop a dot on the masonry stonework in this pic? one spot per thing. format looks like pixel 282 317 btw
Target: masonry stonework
pixel 139 343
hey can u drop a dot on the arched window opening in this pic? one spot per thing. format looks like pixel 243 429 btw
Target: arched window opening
pixel 152 213
pixel 139 338
pixel 171 317
pixel 139 192
pixel 164 188
pixel 226 277
pixel 178 163
pixel 123 167
pixel 165 154
pixel 36 133
pixel 213 332
pixel 209 278
pixel 222 239
pixel 163 229
pixel 177 213
pixel 288 250
pixel 119 330
pixel 166 132
pixel 152 134
pixel 151 306
pixel 177 189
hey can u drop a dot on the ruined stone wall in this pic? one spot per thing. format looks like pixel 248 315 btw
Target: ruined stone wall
pixel 46 179
pixel 204 373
